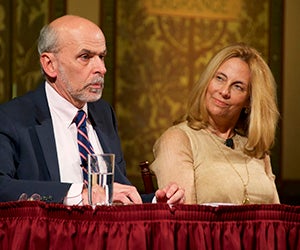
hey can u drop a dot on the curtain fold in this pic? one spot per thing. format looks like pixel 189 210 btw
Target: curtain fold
pixel 38 225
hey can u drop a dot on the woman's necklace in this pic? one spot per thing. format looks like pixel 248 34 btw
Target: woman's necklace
pixel 246 199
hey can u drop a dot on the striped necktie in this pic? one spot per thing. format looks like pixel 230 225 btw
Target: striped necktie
pixel 83 141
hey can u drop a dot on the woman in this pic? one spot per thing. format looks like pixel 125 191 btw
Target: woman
pixel 219 150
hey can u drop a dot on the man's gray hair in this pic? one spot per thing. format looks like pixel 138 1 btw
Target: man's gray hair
pixel 48 40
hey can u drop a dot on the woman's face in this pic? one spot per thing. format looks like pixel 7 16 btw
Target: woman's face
pixel 228 92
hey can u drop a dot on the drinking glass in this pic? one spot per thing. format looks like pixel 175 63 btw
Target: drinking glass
pixel 100 179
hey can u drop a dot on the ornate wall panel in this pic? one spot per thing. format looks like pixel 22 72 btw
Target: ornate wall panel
pixel 20 22
pixel 5 49
pixel 162 47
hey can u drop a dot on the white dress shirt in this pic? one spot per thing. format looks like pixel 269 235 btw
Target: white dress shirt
pixel 65 133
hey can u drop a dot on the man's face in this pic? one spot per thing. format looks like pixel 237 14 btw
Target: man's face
pixel 80 67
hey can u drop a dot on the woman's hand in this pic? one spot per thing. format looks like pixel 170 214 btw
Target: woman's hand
pixel 172 194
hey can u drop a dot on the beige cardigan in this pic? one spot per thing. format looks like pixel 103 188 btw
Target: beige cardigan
pixel 195 160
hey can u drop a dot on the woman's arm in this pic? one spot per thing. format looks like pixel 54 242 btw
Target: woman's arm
pixel 174 162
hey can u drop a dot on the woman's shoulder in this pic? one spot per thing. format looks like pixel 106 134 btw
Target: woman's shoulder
pixel 240 141
pixel 172 136
pixel 177 130
pixel 190 131
pixel 180 128
pixel 182 131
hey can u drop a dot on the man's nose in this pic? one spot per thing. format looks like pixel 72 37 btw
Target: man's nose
pixel 99 66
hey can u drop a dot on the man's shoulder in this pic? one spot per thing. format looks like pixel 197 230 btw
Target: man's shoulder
pixel 25 105
pixel 28 98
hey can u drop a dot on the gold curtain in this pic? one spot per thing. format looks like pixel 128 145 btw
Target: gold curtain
pixel 20 22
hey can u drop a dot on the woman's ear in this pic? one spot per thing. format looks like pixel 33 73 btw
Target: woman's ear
pixel 48 63
pixel 247 107
pixel 247 110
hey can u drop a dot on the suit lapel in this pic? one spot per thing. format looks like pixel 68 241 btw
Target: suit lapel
pixel 45 133
pixel 47 142
pixel 99 126
pixel 103 123
pixel 103 140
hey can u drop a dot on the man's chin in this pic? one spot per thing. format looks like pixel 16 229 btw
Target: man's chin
pixel 94 98
pixel 92 95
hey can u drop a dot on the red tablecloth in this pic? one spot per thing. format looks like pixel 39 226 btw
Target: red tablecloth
pixel 37 225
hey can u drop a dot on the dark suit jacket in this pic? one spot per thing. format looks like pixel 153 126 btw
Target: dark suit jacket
pixel 28 157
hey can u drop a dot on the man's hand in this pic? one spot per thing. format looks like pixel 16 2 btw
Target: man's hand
pixel 123 194
pixel 172 194
pixel 126 194
pixel 98 195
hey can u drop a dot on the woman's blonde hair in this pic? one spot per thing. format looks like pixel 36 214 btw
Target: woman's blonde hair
pixel 259 122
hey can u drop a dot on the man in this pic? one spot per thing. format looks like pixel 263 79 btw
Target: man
pixel 38 136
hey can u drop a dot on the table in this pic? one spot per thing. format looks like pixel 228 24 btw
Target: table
pixel 38 225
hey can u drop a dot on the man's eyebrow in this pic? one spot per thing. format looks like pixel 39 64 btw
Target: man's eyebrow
pixel 104 52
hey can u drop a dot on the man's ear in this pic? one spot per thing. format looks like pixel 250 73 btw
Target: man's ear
pixel 48 63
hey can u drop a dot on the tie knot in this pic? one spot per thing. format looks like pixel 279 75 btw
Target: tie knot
pixel 80 118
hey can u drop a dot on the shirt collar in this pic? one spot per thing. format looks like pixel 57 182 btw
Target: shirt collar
pixel 61 107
